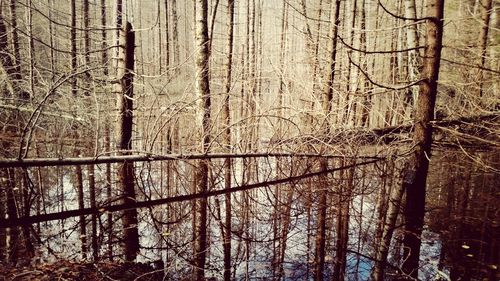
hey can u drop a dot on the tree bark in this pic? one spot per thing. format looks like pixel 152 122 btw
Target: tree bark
pixel 415 176
pixel 73 58
pixel 486 9
pixel 92 195
pixel 17 74
pixel 124 92
pixel 167 36
pixel 11 63
pixel 81 206
pixel 387 221
pixel 227 142
pixel 344 204
pixel 107 133
pixel 203 93
pixel 414 60
pixel 175 33
pixel 327 100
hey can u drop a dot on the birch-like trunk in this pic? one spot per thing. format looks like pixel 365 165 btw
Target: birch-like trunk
pixel 203 94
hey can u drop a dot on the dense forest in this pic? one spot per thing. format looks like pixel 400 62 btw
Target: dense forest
pixel 249 140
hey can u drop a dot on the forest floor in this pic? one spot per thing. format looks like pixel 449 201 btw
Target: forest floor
pixel 68 270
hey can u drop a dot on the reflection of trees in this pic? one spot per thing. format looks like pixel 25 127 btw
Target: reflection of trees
pixel 463 208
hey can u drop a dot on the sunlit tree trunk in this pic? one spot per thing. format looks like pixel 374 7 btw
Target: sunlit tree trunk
pixel 203 93
pixel 175 32
pixel 414 60
pixel 107 133
pixel 415 175
pixel 350 82
pixel 227 142
pixel 486 10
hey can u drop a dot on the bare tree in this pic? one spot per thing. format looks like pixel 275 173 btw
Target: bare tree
pixel 227 141
pixel 203 93
pixel 415 175
pixel 486 9
pixel 124 94
pixel 327 103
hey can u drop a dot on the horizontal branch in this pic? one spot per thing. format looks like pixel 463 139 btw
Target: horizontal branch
pixel 44 162
pixel 378 51
pixel 4 223
pixel 31 110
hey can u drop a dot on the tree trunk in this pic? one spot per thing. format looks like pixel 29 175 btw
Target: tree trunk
pixel 107 133
pixel 73 48
pixel 92 195
pixel 31 49
pixel 15 46
pixel 81 205
pixel 415 175
pixel 124 92
pixel 414 60
pixel 3 212
pixel 227 142
pixel 343 223
pixel 486 9
pixel 387 221
pixel 175 33
pixel 203 92
pixel 167 36
pixel 9 63
pixel 327 100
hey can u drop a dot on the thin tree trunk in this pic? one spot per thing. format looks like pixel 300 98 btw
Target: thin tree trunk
pixel 486 9
pixel 17 74
pixel 107 132
pixel 349 83
pixel 203 92
pixel 9 63
pixel 227 142
pixel 343 223
pixel 31 49
pixel 81 205
pixel 286 220
pixel 414 60
pixel 124 92
pixel 92 194
pixel 29 250
pixel 415 176
pixel 284 28
pixel 175 32
pixel 167 35
pixel 14 240
pixel 327 110
pixel 387 222
pixel 73 48
pixel 52 44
